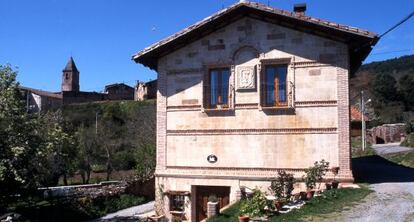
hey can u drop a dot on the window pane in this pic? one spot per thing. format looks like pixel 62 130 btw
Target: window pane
pixel 213 87
pixel 270 85
pixel 225 76
pixel 282 70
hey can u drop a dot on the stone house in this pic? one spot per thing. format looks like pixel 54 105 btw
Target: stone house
pixel 119 91
pixel 145 90
pixel 39 100
pixel 356 121
pixel 244 93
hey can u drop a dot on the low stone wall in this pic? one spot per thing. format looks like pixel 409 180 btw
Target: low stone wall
pixel 108 188
pixel 387 133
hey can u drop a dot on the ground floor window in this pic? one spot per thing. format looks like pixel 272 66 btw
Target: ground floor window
pixel 177 202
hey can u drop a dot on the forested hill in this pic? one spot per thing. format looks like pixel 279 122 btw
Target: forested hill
pixel 390 85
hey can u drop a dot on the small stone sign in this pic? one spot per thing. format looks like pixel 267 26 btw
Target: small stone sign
pixel 212 158
pixel 246 77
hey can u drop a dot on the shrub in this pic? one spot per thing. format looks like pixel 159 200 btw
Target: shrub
pixel 282 187
pixel 409 127
pixel 409 141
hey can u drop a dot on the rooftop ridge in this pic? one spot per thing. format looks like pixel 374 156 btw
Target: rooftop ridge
pixel 261 7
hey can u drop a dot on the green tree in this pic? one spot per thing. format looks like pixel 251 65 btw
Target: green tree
pixel 384 88
pixel 20 144
pixel 61 147
pixel 145 157
pixel 88 151
pixel 407 90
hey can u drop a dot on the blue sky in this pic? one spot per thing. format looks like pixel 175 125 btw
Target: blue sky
pixel 39 36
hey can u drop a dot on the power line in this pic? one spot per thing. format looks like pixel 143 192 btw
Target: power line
pixel 398 24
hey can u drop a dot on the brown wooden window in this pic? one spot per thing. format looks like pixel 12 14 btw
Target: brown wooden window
pixel 177 202
pixel 274 86
pixel 217 88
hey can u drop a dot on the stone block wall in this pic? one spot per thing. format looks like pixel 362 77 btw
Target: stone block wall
pixel 251 143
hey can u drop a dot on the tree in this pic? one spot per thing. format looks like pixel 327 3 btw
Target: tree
pixel 21 148
pixel 88 151
pixel 407 90
pixel 384 88
pixel 111 135
pixel 60 145
pixel 145 157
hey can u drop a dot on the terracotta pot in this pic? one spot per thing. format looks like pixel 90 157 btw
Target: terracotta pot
pixel 244 219
pixel 309 194
pixel 279 205
pixel 335 184
pixel 302 195
pixel 328 186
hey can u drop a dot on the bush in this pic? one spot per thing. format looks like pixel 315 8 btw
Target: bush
pixel 409 141
pixel 409 127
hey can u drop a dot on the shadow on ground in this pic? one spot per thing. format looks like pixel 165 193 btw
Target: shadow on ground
pixel 375 169
pixel 115 219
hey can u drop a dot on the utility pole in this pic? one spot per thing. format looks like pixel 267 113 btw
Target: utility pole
pixel 96 123
pixel 363 120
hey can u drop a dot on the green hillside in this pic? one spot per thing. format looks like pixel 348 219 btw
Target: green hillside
pixel 390 86
pixel 110 137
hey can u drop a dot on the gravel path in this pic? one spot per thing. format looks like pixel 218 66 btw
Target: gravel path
pixel 390 148
pixel 129 214
pixel 390 202
pixel 393 184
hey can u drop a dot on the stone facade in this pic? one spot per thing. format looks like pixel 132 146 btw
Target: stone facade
pixel 252 144
pixel 145 90
pixel 39 100
pixel 249 142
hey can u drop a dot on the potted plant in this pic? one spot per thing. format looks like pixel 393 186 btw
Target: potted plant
pixel 310 182
pixel 328 186
pixel 244 211
pixel 282 188
pixel 213 204
pixel 335 183
pixel 321 167
pixel 254 207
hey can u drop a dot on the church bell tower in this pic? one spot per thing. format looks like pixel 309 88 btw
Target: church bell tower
pixel 70 77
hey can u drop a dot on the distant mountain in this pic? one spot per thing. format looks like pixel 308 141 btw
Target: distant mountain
pixel 394 111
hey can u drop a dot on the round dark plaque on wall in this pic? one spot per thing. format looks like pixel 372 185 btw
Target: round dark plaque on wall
pixel 212 158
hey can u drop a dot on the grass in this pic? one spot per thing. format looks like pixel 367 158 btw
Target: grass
pixel 332 201
pixel 403 158
pixel 356 145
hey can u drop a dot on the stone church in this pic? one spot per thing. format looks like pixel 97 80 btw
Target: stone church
pixel 40 100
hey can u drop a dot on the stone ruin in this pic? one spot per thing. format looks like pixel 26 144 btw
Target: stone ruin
pixel 387 133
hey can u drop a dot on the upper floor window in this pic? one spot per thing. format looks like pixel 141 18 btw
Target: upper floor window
pixel 217 88
pixel 274 86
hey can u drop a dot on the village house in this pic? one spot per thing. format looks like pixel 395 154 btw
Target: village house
pixel 145 90
pixel 244 93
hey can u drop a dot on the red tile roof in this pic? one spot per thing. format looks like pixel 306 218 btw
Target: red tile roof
pixel 356 115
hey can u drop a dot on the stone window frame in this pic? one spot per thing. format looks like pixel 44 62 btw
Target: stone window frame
pixel 206 87
pixel 177 202
pixel 289 62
